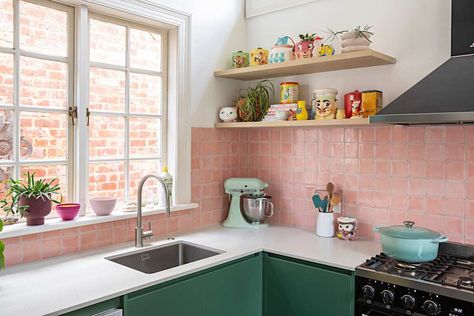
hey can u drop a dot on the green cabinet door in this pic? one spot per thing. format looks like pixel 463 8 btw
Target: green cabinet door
pixel 230 289
pixel 294 287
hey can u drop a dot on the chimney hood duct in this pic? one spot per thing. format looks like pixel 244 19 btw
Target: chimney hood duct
pixel 446 95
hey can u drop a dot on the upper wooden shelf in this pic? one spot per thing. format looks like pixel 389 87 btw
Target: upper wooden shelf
pixel 359 59
pixel 308 123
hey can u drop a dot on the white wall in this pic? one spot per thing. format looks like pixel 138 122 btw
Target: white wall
pixel 217 30
pixel 416 32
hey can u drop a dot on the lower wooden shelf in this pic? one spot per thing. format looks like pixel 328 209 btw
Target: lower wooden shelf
pixel 308 123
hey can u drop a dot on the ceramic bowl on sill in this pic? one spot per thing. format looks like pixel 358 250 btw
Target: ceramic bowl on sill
pixel 103 205
pixel 68 211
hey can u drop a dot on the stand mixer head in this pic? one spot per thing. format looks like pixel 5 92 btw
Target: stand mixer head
pixel 237 187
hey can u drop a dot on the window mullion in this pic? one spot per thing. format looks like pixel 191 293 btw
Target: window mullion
pixel 16 87
pixel 81 80
pixel 127 117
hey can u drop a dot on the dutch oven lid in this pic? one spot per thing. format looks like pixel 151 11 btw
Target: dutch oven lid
pixel 408 231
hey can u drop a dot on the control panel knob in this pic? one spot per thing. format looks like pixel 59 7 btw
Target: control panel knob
pixel 431 308
pixel 387 296
pixel 368 292
pixel 408 301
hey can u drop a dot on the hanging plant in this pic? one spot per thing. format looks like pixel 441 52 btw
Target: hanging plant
pixel 254 102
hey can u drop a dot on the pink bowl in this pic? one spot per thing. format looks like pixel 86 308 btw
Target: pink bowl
pixel 68 211
pixel 103 205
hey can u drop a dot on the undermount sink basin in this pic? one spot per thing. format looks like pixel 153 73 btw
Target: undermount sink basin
pixel 155 259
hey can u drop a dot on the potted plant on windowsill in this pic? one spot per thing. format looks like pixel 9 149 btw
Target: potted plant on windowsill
pixel 32 199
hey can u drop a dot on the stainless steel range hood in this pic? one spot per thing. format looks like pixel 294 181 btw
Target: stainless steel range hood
pixel 446 95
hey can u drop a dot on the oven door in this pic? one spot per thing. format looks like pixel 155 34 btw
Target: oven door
pixel 369 310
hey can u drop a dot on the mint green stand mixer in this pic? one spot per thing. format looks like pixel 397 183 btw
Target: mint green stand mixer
pixel 236 187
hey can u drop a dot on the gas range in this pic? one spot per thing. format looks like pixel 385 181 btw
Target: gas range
pixel 444 286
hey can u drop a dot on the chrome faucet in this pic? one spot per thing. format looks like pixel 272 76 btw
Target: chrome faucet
pixel 139 233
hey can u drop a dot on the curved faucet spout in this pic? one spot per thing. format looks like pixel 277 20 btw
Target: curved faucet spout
pixel 139 233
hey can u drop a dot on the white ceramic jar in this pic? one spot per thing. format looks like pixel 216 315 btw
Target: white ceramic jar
pixel 325 225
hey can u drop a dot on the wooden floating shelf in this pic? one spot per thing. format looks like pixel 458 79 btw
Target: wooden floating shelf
pixel 359 59
pixel 308 123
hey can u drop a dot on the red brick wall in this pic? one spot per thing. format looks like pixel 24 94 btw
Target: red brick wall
pixel 216 156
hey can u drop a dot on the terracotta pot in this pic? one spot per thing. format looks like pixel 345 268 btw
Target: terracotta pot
pixel 37 210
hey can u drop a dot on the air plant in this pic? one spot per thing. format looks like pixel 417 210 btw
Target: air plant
pixel 254 102
pixel 363 32
pixel 358 31
pixel 333 34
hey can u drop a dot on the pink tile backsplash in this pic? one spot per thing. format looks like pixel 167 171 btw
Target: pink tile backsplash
pixel 387 175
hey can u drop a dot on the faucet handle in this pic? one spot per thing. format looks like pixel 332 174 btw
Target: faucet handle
pixel 149 232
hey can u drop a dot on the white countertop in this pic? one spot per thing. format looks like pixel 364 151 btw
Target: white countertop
pixel 62 284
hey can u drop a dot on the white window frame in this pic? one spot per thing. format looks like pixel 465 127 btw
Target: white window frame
pixel 127 114
pixel 178 138
pixel 17 108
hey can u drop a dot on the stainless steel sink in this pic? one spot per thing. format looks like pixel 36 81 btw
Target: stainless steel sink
pixel 155 259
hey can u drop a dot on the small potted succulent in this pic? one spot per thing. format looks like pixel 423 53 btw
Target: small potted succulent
pixel 307 46
pixel 32 199
pixel 253 103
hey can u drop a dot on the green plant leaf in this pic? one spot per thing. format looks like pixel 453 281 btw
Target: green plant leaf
pixel 2 257
pixel 1 225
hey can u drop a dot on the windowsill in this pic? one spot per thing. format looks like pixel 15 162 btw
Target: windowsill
pixel 52 224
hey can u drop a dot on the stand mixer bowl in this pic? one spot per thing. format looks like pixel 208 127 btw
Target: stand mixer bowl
pixel 256 208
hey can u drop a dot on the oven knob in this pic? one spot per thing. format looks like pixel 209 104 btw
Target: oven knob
pixel 408 301
pixel 387 297
pixel 431 308
pixel 368 292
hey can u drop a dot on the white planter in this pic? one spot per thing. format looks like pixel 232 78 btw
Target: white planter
pixel 351 43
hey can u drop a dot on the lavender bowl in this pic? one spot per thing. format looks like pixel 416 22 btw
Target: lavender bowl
pixel 103 205
pixel 68 211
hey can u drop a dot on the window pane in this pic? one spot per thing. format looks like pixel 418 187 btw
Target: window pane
pixel 43 30
pixel 107 43
pixel 6 23
pixel 106 137
pixel 145 94
pixel 145 50
pixel 6 136
pixel 43 83
pixel 45 134
pixel 137 170
pixel 107 90
pixel 107 179
pixel 144 137
pixel 6 172
pixel 49 172
pixel 6 79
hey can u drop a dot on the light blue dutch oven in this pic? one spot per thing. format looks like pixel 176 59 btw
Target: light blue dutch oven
pixel 408 243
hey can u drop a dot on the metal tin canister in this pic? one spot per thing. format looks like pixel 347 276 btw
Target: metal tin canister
pixel 240 59
pixel 258 56
pixel 371 102
pixel 289 92
pixel 352 103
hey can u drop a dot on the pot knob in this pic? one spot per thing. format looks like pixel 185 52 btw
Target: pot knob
pixel 387 296
pixel 408 301
pixel 431 308
pixel 368 292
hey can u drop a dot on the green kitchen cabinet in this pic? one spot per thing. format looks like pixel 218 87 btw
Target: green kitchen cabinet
pixel 295 287
pixel 231 289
